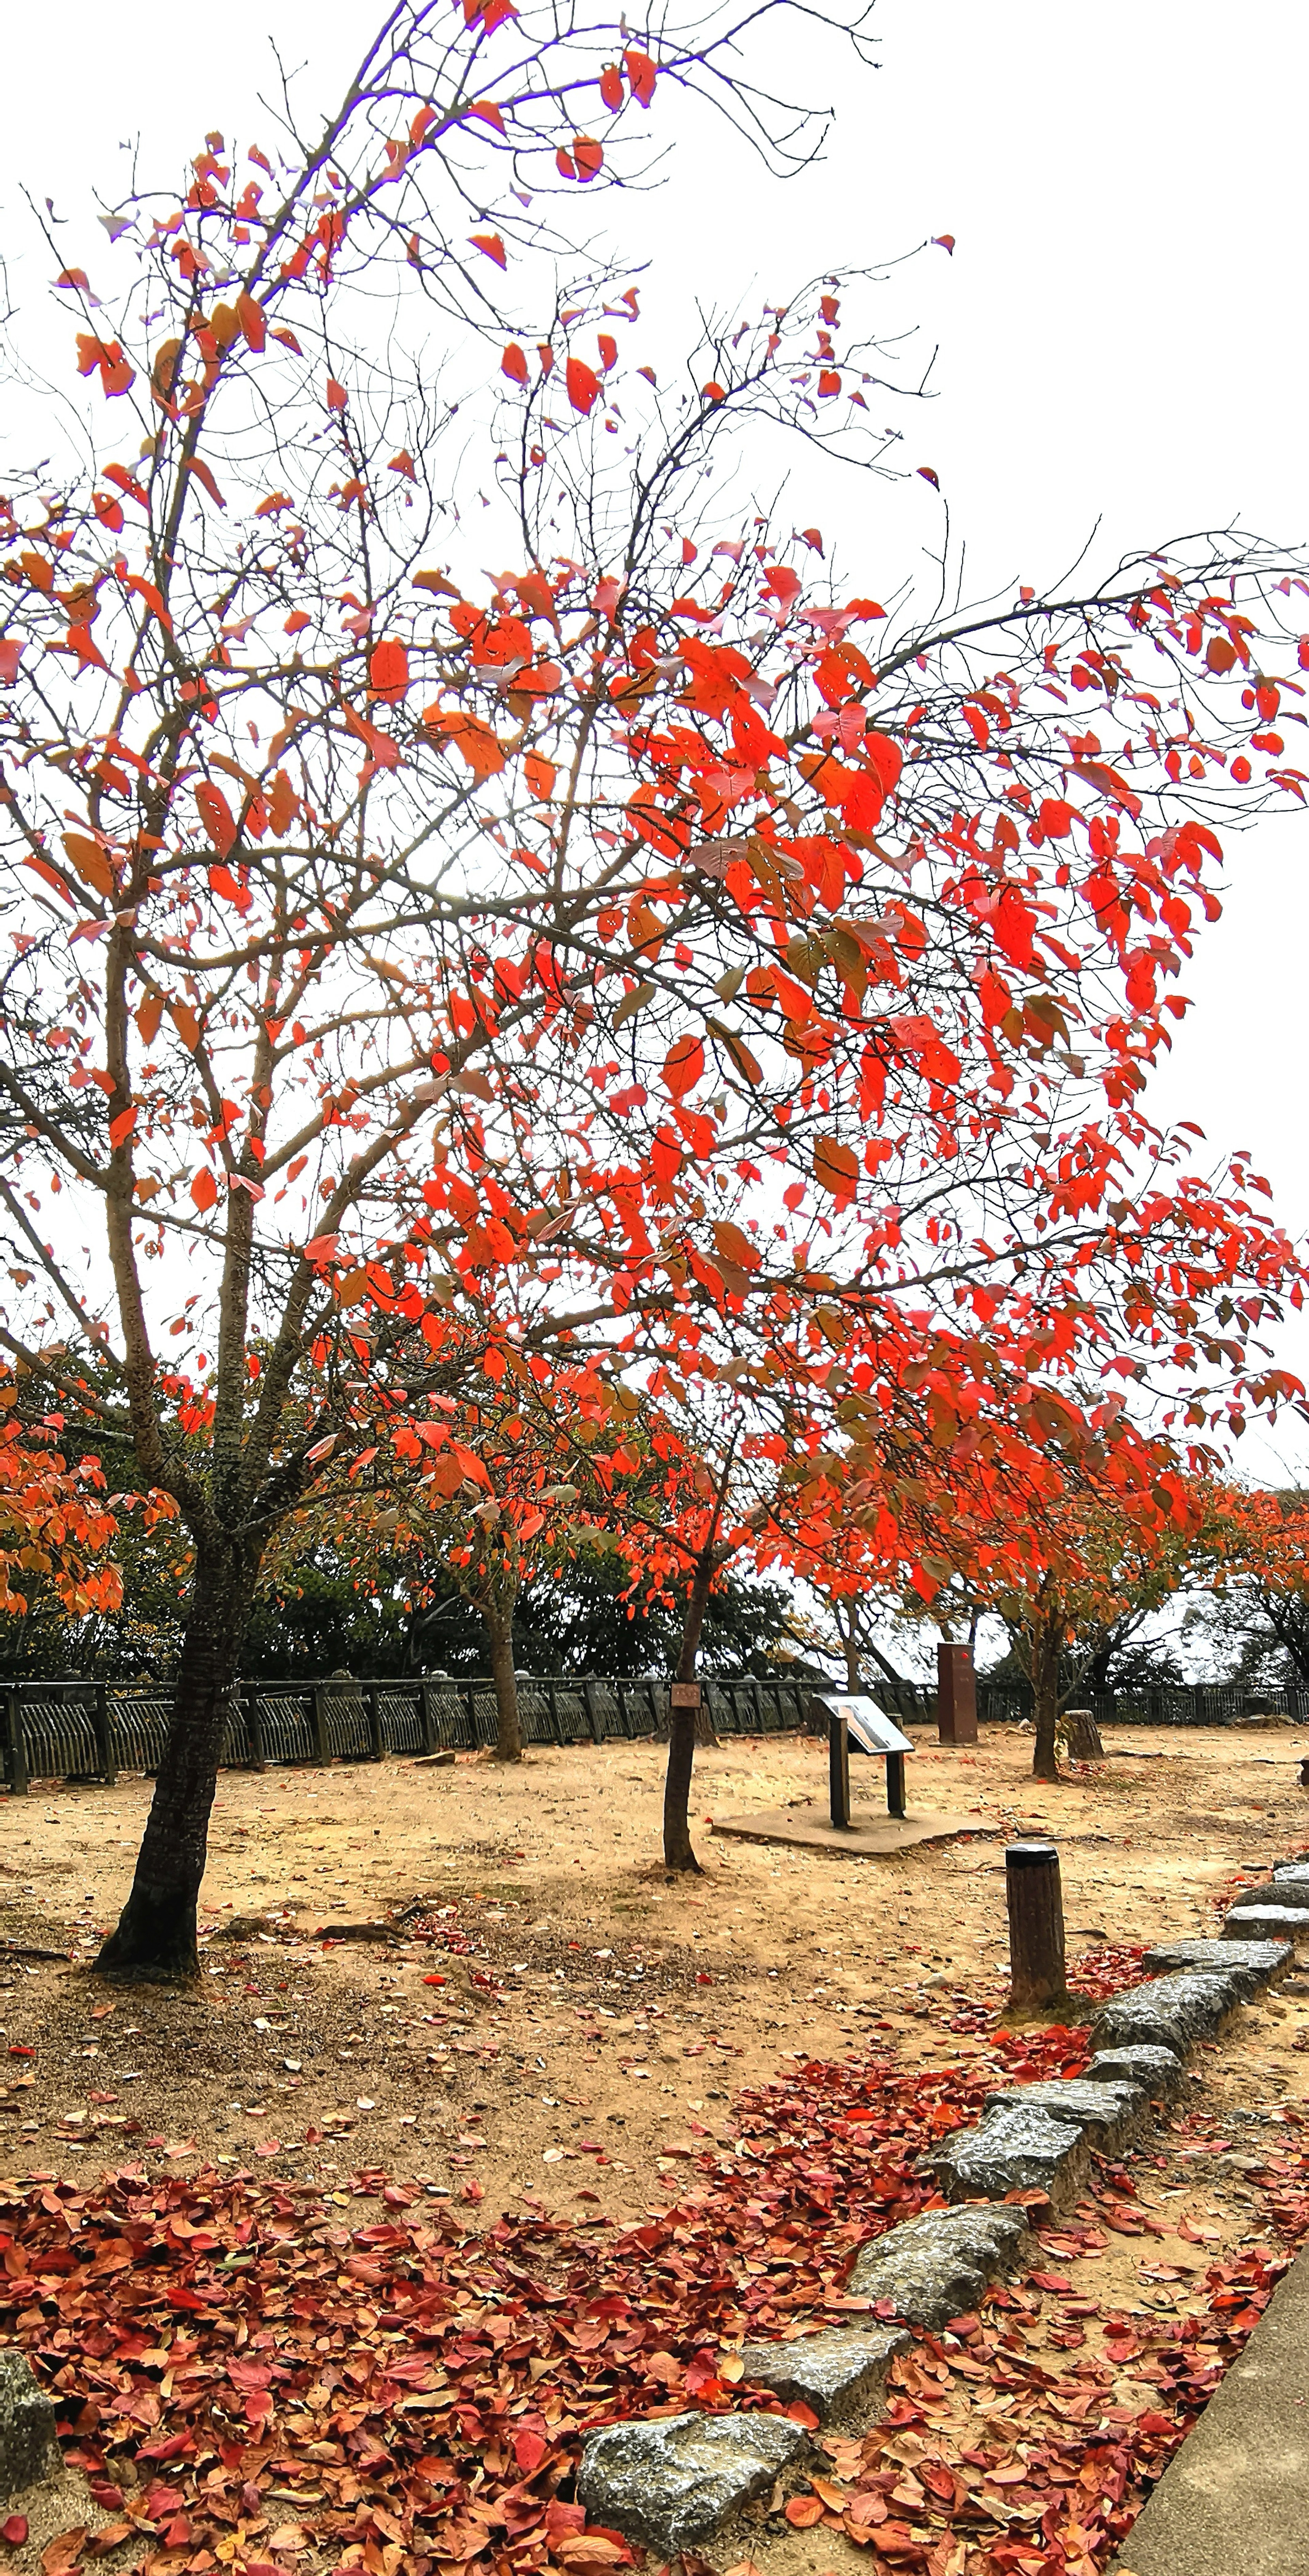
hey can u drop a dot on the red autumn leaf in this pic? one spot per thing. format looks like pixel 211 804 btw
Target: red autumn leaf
pixel 514 364
pixel 588 156
pixel 683 1066
pixel 13 2530
pixel 582 383
pixel 836 1167
pixel 336 395
pixel 388 671
pixel 803 2511
pixel 611 87
pixel 217 817
pixel 491 244
pixel 641 73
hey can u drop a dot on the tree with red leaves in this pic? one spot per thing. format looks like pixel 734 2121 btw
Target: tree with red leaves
pixel 628 959
pixel 54 1523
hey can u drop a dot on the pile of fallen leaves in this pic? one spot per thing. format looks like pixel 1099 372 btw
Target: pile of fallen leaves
pixel 252 2381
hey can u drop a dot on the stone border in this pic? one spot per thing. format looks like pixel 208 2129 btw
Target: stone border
pixel 673 2482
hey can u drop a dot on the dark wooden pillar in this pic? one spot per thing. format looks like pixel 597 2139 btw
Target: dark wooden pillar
pixel 956 1696
pixel 838 1768
pixel 1036 1925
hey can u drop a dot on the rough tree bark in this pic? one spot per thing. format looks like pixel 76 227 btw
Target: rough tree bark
pixel 499 1625
pixel 155 1938
pixel 1045 1641
pixel 678 1853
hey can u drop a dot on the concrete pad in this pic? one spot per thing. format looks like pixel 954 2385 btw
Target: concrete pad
pixel 1231 2501
pixel 868 1837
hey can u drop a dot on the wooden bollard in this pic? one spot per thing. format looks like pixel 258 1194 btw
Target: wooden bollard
pixel 1036 1924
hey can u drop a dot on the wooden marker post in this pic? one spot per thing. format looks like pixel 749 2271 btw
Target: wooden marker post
pixel 956 1695
pixel 1036 1925
pixel 838 1768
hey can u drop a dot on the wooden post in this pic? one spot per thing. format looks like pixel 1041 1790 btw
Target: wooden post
pixel 838 1769
pixel 258 1750
pixel 322 1746
pixel 376 1729
pixel 1036 1924
pixel 428 1716
pixel 956 1695
pixel 895 1784
pixel 14 1745
pixel 593 1713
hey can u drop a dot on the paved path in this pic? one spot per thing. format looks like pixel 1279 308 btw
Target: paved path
pixel 1234 2501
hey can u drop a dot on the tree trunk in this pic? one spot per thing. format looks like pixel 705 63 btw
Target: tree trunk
pixel 1046 1638
pixel 678 1853
pixel 155 1938
pixel 849 1636
pixel 499 1626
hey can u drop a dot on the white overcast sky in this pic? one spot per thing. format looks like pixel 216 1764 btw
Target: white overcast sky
pixel 1119 331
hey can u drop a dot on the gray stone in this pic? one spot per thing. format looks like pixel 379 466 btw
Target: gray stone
pixel 1279 1890
pixel 1169 2012
pixel 936 2267
pixel 1256 1963
pixel 1014 2149
pixel 670 2484
pixel 1107 2112
pixel 1156 2070
pixel 837 2372
pixel 1291 1873
pixel 1264 1923
pixel 28 2447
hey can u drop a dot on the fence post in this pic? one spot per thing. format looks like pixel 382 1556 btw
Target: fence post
pixel 470 1712
pixel 429 1717
pixel 258 1749
pixel 322 1748
pixel 588 1703
pixel 376 1730
pixel 103 1740
pixel 552 1703
pixel 15 1749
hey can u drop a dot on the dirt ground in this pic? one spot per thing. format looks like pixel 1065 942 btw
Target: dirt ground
pixel 573 2020
pixel 555 2026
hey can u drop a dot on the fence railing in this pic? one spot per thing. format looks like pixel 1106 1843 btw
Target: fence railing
pixel 93 1730
pixel 1175 1704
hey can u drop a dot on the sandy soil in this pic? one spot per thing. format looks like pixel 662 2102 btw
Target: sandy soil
pixel 595 2017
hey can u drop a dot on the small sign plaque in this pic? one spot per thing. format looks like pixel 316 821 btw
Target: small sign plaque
pixel 685 1695
pixel 870 1727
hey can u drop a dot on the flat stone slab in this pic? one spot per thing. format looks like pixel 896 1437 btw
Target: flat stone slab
pixel 838 2373
pixel 936 2267
pixel 1158 2072
pixel 1265 1923
pixel 1291 1873
pixel 1258 1963
pixel 1017 2148
pixel 1169 2012
pixel 870 1837
pixel 671 2483
pixel 1231 2500
pixel 1291 1891
pixel 1107 2112
pixel 29 2449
